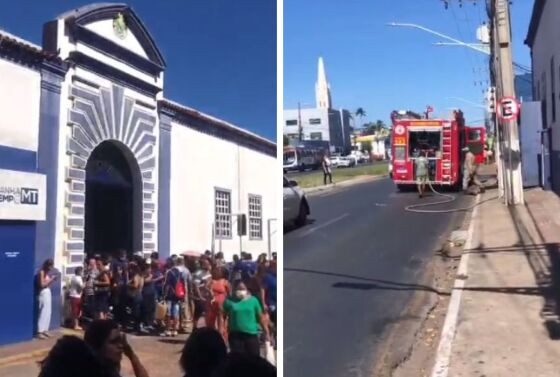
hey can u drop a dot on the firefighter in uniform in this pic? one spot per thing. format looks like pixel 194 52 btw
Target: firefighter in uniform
pixel 469 172
pixel 421 163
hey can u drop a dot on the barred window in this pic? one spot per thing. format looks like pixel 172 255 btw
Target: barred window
pixel 222 205
pixel 255 217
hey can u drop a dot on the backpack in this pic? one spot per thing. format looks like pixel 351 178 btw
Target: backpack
pixel 179 286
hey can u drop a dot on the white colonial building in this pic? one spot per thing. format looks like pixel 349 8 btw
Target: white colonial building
pixel 542 38
pixel 93 158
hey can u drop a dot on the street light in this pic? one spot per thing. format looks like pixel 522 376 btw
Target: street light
pixel 300 125
pixel 456 42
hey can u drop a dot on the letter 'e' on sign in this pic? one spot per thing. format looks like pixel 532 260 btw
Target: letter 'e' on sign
pixel 508 108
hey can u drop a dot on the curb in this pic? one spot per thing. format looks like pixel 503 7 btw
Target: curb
pixel 31 355
pixel 24 357
pixel 348 182
pixel 443 355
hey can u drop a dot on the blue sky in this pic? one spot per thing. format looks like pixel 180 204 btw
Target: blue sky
pixel 381 68
pixel 220 54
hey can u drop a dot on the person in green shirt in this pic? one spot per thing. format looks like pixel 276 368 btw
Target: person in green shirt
pixel 244 314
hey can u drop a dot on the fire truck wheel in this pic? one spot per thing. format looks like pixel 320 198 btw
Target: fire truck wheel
pixel 404 188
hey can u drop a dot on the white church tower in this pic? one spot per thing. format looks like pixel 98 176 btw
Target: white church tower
pixel 322 88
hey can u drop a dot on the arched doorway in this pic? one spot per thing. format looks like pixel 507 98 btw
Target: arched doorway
pixel 113 208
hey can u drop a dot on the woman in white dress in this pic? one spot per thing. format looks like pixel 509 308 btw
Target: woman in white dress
pixel 44 281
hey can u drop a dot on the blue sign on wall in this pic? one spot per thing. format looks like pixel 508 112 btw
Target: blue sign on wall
pixel 17 248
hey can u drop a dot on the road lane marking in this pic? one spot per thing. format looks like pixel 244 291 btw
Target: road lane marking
pixel 443 356
pixel 330 222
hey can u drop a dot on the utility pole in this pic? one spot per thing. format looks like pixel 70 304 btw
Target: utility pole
pixel 508 154
pixel 503 66
pixel 300 126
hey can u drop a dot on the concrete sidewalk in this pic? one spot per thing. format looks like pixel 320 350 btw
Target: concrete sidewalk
pixel 507 323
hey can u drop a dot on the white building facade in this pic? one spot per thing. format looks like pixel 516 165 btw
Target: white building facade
pixel 545 56
pixel 321 122
pixel 123 168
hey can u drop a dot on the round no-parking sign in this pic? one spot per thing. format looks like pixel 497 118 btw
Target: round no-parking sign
pixel 508 108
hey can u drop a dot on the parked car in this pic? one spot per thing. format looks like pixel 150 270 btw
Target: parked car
pixel 296 207
pixel 354 158
pixel 345 162
pixel 335 161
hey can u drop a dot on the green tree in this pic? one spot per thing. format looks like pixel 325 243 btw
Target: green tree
pixel 286 140
pixel 360 113
pixel 380 126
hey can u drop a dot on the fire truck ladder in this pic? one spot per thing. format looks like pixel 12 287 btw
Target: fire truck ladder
pixel 446 155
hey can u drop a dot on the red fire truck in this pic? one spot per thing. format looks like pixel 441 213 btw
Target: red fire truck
pixel 443 140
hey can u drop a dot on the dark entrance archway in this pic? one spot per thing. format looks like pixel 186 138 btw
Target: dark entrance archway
pixel 113 209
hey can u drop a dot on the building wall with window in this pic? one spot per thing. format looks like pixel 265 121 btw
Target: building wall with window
pixel 320 124
pixel 209 174
pixel 545 53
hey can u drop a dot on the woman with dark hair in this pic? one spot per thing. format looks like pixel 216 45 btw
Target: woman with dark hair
pixel 244 317
pixel 102 290
pixel 134 294
pixel 70 357
pixel 219 289
pixel 44 280
pixel 256 285
pixel 204 350
pixel 108 344
pixel 148 298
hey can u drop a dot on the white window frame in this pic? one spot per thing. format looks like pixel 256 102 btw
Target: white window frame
pixel 255 217
pixel 222 213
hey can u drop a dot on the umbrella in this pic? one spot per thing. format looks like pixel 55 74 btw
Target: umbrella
pixel 191 253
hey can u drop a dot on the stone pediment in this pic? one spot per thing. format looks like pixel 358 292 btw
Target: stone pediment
pixel 112 29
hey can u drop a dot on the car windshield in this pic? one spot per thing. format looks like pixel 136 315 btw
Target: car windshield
pixel 289 157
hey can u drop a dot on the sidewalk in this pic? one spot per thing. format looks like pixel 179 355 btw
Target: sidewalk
pixel 508 323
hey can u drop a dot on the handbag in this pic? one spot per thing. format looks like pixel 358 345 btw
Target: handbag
pixel 269 353
pixel 161 306
pixel 161 310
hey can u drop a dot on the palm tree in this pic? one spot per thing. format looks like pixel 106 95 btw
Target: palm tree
pixel 360 113
pixel 379 126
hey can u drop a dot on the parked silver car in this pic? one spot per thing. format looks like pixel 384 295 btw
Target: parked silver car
pixel 296 207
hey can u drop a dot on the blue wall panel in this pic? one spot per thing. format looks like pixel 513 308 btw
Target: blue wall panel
pixel 17 246
pixel 48 164
pixel 17 159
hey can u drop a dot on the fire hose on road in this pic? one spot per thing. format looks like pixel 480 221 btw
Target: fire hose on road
pixel 449 199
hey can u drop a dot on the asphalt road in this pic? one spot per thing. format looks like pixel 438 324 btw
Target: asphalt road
pixel 349 273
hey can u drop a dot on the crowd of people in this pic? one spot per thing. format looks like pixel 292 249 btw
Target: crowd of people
pixel 101 351
pixel 153 296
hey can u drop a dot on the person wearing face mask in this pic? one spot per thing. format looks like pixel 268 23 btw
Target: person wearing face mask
pixel 244 314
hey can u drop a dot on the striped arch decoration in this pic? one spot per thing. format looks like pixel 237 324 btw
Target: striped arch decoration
pixel 97 116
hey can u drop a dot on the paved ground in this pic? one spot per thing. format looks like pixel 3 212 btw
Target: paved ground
pixel 508 322
pixel 350 273
pixel 160 356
